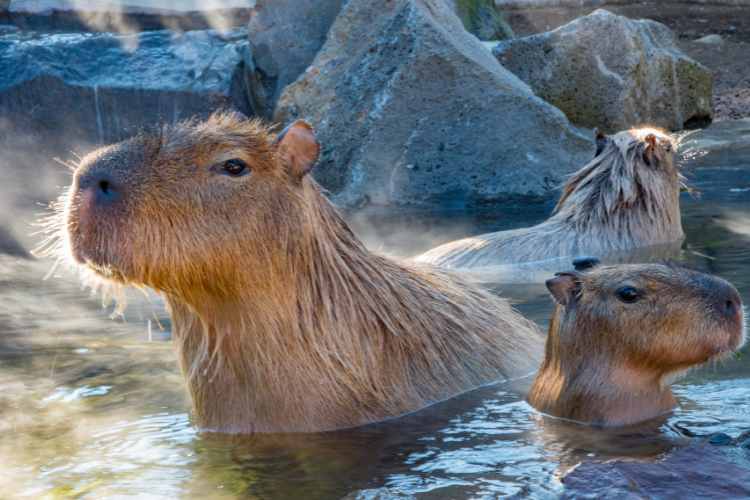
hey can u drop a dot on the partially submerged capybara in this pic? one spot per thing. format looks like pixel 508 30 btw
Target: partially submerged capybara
pixel 620 334
pixel 626 197
pixel 282 319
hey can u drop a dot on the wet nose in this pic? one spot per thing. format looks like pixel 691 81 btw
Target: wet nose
pixel 728 302
pixel 101 185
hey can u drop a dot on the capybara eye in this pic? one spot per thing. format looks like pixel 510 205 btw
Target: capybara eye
pixel 235 167
pixel 628 294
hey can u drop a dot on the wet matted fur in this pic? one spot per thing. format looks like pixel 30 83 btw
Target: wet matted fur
pixel 626 197
pixel 282 319
pixel 621 334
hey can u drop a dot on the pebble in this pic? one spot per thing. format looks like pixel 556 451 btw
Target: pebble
pixel 711 40
pixel 719 439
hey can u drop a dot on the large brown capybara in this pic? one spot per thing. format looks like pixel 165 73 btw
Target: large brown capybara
pixel 621 334
pixel 282 319
pixel 627 197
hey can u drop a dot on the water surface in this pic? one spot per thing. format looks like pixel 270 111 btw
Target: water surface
pixel 93 407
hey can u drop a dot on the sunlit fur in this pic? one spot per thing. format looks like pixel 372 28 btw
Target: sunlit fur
pixel 608 362
pixel 617 202
pixel 282 319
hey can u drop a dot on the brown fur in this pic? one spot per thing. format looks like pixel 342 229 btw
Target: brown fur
pixel 609 362
pixel 282 319
pixel 626 197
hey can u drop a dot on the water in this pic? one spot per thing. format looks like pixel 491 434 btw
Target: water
pixel 91 408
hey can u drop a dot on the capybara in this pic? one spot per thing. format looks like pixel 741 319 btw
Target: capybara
pixel 282 319
pixel 626 197
pixel 620 334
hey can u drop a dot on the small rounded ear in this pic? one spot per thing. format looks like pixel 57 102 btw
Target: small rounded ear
pixel 298 147
pixel 584 263
pixel 564 287
pixel 649 154
pixel 601 142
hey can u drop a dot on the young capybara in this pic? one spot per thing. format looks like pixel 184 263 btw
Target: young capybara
pixel 626 197
pixel 282 319
pixel 620 334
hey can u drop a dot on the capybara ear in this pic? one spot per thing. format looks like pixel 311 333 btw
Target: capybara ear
pixel 601 141
pixel 585 263
pixel 298 147
pixel 649 154
pixel 564 287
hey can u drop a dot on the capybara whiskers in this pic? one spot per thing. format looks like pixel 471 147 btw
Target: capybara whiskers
pixel 282 319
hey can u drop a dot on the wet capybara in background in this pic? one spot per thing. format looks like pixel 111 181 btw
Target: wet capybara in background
pixel 626 197
pixel 620 334
pixel 282 319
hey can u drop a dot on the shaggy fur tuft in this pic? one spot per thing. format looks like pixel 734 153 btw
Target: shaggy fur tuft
pixel 626 197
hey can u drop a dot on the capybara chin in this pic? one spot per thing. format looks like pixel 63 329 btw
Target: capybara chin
pixel 282 319
pixel 626 197
pixel 620 334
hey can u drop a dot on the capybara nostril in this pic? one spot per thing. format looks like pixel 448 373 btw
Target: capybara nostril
pixel 728 302
pixel 103 186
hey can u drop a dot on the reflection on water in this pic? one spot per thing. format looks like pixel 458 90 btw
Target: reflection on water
pixel 90 407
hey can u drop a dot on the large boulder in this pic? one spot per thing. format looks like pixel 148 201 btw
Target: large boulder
pixel 412 109
pixel 611 72
pixel 285 36
pixel 100 87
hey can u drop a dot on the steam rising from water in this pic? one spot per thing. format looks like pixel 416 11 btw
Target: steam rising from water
pixel 116 15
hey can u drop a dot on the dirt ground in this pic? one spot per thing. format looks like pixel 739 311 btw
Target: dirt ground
pixel 729 59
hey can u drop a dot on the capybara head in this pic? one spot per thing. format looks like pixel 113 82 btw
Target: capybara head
pixel 631 170
pixel 662 317
pixel 620 333
pixel 184 207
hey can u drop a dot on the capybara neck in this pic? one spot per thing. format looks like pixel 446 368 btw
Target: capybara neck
pixel 626 197
pixel 335 336
pixel 282 319
pixel 620 334
pixel 594 388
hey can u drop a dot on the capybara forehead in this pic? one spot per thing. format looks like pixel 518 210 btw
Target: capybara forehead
pixel 671 278
pixel 220 133
pixel 189 143
pixel 627 137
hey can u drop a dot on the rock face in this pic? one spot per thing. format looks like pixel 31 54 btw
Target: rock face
pixel 412 109
pixel 611 72
pixel 482 19
pixel 689 472
pixel 102 87
pixel 285 36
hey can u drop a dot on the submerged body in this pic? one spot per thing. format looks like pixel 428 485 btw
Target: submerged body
pixel 626 198
pixel 282 319
pixel 621 334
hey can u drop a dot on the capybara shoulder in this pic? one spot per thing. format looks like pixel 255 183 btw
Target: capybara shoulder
pixel 620 334
pixel 283 320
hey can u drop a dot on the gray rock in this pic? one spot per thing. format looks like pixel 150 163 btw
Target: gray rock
pixel 482 19
pixel 101 87
pixel 9 244
pixel 695 471
pixel 711 40
pixel 611 72
pixel 285 36
pixel 413 110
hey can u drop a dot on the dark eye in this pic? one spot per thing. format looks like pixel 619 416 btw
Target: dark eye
pixel 235 167
pixel 628 294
